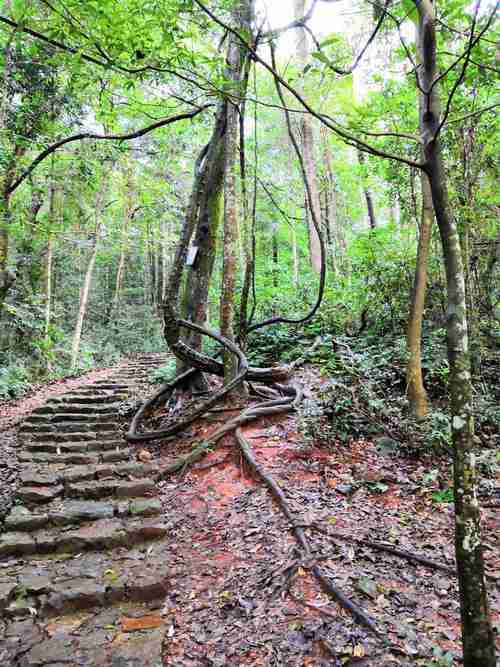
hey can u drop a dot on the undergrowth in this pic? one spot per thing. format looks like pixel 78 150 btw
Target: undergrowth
pixel 364 392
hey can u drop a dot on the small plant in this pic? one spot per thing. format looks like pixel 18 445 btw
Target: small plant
pixel 165 373
pixel 441 658
pixel 443 496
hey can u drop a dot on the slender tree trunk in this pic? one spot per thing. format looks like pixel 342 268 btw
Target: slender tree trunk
pixel 477 635
pixel 84 298
pixel 417 395
pixel 308 148
pixel 229 262
pixel 295 258
pixel 330 204
pixel 368 196
pixel 165 240
pixel 85 292
pixel 48 284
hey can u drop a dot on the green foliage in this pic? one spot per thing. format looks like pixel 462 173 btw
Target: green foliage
pixel 14 381
pixel 164 373
pixel 443 496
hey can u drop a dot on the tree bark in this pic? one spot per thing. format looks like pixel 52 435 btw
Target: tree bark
pixel 307 135
pixel 368 195
pixel 85 292
pixel 477 635
pixel 416 393
pixel 236 61
pixel 330 204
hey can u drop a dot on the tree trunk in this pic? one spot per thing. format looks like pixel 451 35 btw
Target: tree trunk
pixel 236 61
pixel 295 258
pixel 417 396
pixel 477 635
pixel 85 292
pixel 368 195
pixel 330 204
pixel 308 148
pixel 416 393
pixel 84 297
pixel 48 284
pixel 229 262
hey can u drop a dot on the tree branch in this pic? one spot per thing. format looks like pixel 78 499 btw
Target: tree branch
pixel 345 136
pixel 88 135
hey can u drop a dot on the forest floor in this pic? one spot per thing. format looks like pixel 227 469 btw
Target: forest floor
pixel 231 599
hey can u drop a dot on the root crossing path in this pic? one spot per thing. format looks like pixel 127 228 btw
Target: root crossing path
pixel 82 549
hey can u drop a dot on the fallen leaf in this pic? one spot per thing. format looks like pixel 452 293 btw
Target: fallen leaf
pixel 142 623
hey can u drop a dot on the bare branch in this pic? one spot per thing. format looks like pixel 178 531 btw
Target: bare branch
pixel 88 135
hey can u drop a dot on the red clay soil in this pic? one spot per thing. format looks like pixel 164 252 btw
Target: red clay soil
pixel 232 600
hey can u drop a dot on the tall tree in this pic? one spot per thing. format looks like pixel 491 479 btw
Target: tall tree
pixel 477 633
pixel 307 137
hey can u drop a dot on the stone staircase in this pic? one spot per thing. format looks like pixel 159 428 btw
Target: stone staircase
pixel 82 551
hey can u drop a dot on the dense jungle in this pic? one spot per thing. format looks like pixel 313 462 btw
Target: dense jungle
pixel 249 333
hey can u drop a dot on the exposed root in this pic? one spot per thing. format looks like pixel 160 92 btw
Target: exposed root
pixel 358 614
pixel 380 546
pixel 278 399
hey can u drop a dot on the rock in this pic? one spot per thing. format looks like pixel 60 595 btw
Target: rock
pixel 78 511
pixel 142 623
pixel 6 590
pixel 32 476
pixel 16 543
pixel 147 507
pixel 344 489
pixel 74 595
pixel 39 494
pixel 387 445
pixel 20 518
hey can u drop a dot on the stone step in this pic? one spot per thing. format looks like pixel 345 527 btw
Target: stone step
pixel 90 580
pixel 74 436
pixel 76 417
pixel 47 475
pixel 85 395
pixel 75 407
pixel 97 535
pixel 95 489
pixel 68 426
pixel 66 447
pixel 112 386
pixel 91 457
pixel 70 512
